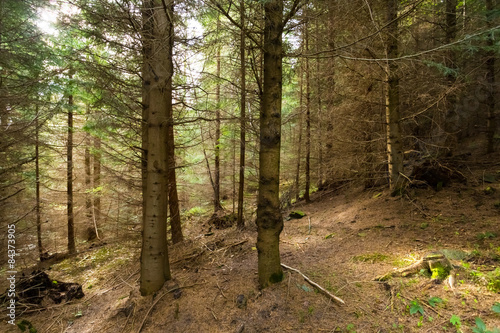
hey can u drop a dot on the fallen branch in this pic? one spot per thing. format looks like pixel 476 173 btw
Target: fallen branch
pixel 326 292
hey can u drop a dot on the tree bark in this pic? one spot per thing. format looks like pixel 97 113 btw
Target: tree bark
pixel 490 80
pixel 299 143
pixel 217 204
pixel 157 76
pixel 241 184
pixel 69 176
pixel 392 109
pixel 308 117
pixel 269 220
pixel 37 180
pixel 173 198
pixel 96 211
pixel 88 183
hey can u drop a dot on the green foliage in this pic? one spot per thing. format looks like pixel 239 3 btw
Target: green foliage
pixel 433 301
pixel 415 307
pixel 24 325
pixel 481 327
pixel 455 321
pixel 486 235
pixel 496 307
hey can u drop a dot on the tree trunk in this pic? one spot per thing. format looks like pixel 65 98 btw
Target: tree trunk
pixel 69 177
pixel 88 186
pixel 308 117
pixel 299 143
pixel 320 135
pixel 241 185
pixel 157 76
pixel 37 179
pixel 173 198
pixel 490 78
pixel 269 220
pixel 392 109
pixel 217 204
pixel 96 211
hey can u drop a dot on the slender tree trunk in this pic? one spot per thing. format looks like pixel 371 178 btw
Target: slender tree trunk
pixel 269 219
pixel 158 70
pixel 217 204
pixel 308 117
pixel 491 81
pixel 96 211
pixel 319 91
pixel 88 187
pixel 330 83
pixel 37 179
pixel 241 185
pixel 173 198
pixel 299 143
pixel 69 177
pixel 392 109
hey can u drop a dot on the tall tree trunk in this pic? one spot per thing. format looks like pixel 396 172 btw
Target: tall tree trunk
pixel 158 70
pixel 392 108
pixel 319 91
pixel 308 117
pixel 241 184
pixel 173 198
pixel 299 142
pixel 330 83
pixel 217 204
pixel 269 219
pixel 96 211
pixel 37 179
pixel 69 177
pixel 451 99
pixel 491 80
pixel 88 187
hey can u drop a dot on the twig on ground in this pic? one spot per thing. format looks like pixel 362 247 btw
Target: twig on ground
pixel 326 292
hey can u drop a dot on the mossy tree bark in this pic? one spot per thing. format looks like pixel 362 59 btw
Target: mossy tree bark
pixel 158 70
pixel 269 219
pixel 392 107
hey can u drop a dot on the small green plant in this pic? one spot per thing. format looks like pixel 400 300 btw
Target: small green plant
pixel 350 328
pixel 433 301
pixel 455 321
pixel 26 325
pixel 370 257
pixel 481 327
pixel 496 308
pixel 415 307
pixel 486 235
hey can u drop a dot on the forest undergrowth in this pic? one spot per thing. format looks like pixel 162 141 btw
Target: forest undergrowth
pixel 346 239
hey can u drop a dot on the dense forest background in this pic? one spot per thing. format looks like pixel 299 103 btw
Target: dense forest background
pixel 377 93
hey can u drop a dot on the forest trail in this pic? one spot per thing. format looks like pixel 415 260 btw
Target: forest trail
pixel 346 239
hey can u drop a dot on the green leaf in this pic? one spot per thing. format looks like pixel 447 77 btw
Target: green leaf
pixel 435 300
pixel 455 320
pixel 496 307
pixel 329 236
pixel 481 327
pixel 416 308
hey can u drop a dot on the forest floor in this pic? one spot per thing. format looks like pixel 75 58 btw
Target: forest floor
pixel 347 238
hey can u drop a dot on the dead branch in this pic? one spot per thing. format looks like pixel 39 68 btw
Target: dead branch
pixel 326 292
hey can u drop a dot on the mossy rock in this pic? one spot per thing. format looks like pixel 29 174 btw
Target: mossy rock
pixel 296 214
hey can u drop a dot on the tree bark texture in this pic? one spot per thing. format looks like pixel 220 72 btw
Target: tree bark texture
pixel 269 220
pixel 308 117
pixel 157 76
pixel 96 210
pixel 392 108
pixel 37 190
pixel 241 184
pixel 491 125
pixel 69 177
pixel 217 204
